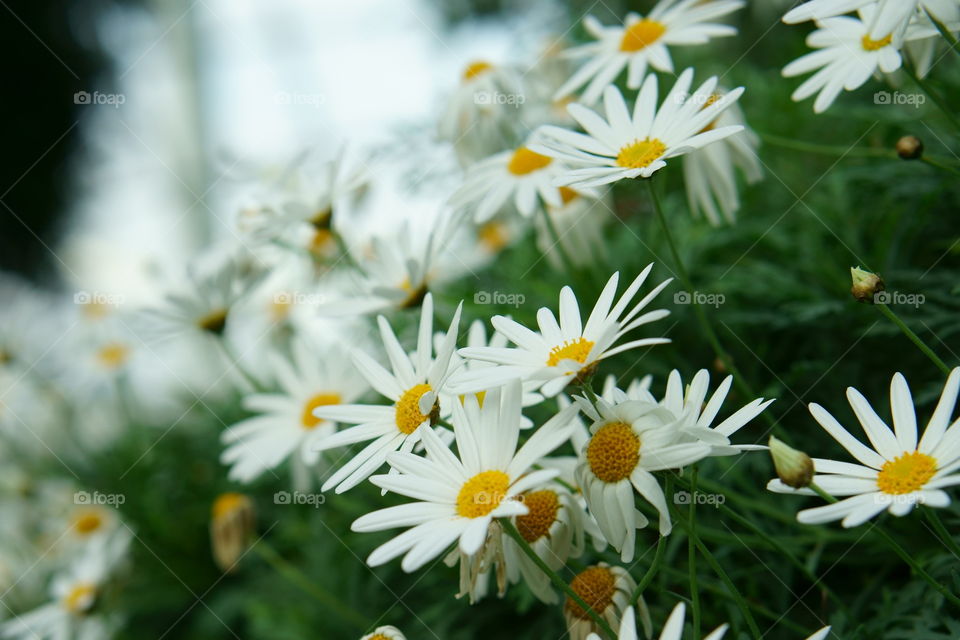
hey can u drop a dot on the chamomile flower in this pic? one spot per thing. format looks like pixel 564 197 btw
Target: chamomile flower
pixel 672 629
pixel 847 56
pixel 607 590
pixel 564 352
pixel 385 633
pixel 414 387
pixel 519 176
pixel 459 497
pixel 644 41
pixel 284 424
pixel 898 472
pixel 625 146
pixel 629 440
pixel 709 173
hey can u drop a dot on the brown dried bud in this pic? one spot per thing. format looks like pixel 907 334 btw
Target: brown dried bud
pixel 231 528
pixel 909 148
pixel 865 284
pixel 795 468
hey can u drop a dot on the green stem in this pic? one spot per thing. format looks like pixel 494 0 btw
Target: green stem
pixel 942 531
pixel 944 31
pixel 828 150
pixel 657 556
pixel 934 95
pixel 914 338
pixel 511 530
pixel 900 551
pixel 692 541
pixel 940 165
pixel 731 587
pixel 701 315
pixel 294 575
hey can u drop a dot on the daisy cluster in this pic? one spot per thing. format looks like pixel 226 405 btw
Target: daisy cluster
pixel 331 323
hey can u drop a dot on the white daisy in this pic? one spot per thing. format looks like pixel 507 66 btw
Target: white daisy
pixel 579 223
pixel 629 440
pixel 607 590
pixel 458 498
pixel 519 175
pixel 568 351
pixel 886 16
pixel 284 423
pixel 847 56
pixel 672 629
pixel 709 173
pixel 643 41
pixel 414 387
pixel 385 633
pixel 625 146
pixel 898 472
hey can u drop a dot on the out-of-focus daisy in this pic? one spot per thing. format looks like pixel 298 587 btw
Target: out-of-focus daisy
pixel 886 16
pixel 709 173
pixel 628 441
pixel 847 55
pixel 898 472
pixel 285 423
pixel 607 590
pixel 554 528
pixel 628 146
pixel 672 629
pixel 578 222
pixel 643 41
pixel 923 50
pixel 414 387
pixel 567 351
pixel 385 633
pixel 459 497
pixel 519 175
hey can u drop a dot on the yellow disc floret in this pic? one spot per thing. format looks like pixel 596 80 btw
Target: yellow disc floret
pixel 596 587
pixel 613 452
pixel 524 161
pixel 88 521
pixel 577 350
pixel 641 153
pixel 113 355
pixel 906 473
pixel 542 513
pixel 408 416
pixel 80 598
pixel 475 69
pixel 641 34
pixel 482 493
pixel 308 420
pixel 875 45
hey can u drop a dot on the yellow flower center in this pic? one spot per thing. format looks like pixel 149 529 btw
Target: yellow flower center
pixel 493 236
pixel 80 598
pixel 641 35
pixel 568 195
pixel 308 420
pixel 475 69
pixel 229 503
pixel 613 452
pixel 87 522
pixel 480 396
pixel 408 416
pixel 321 240
pixel 280 307
pixel 321 219
pixel 710 100
pixel 641 153
pixel 875 45
pixel 596 587
pixel 482 493
pixel 214 322
pixel 543 506
pixel 525 161
pixel 414 296
pixel 577 350
pixel 906 473
pixel 113 355
pixel 379 636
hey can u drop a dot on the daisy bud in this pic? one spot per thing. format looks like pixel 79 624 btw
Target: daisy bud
pixel 865 284
pixel 231 528
pixel 909 148
pixel 795 468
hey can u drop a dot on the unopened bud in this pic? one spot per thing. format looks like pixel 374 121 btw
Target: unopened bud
pixel 909 147
pixel 865 284
pixel 231 528
pixel 795 468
